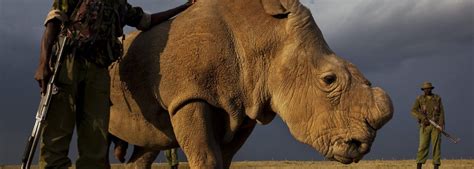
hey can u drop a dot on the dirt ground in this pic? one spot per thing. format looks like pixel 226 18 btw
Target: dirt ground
pixel 365 164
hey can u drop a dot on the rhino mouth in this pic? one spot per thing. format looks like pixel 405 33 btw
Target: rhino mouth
pixel 347 151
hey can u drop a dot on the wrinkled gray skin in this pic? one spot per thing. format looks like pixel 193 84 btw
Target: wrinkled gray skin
pixel 203 80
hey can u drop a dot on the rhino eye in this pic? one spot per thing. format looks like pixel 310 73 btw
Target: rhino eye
pixel 281 16
pixel 329 79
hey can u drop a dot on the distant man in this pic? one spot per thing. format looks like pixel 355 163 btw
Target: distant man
pixel 428 106
pixel 172 157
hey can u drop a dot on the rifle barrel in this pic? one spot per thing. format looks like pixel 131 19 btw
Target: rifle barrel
pixel 451 138
pixel 41 114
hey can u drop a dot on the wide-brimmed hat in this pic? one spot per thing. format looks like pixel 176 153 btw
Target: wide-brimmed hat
pixel 427 85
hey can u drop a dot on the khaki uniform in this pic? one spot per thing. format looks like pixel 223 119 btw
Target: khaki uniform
pixel 432 107
pixel 172 156
pixel 82 99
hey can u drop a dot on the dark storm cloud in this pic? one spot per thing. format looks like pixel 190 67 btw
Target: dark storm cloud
pixel 20 27
pixel 397 44
pixel 388 32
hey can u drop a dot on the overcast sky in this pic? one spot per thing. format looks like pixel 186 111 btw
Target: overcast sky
pixel 396 44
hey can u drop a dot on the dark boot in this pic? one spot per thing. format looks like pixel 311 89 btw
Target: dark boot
pixel 418 165
pixel 436 166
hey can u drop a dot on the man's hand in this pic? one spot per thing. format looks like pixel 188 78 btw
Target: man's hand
pixel 160 17
pixel 191 2
pixel 425 122
pixel 42 75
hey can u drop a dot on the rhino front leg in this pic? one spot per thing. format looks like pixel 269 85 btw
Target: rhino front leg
pixel 142 158
pixel 229 149
pixel 194 132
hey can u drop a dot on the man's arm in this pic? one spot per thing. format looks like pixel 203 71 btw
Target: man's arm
pixel 50 35
pixel 160 17
pixel 135 16
pixel 56 16
pixel 415 111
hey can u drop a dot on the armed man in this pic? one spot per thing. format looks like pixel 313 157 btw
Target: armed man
pixel 428 107
pixel 81 92
pixel 172 158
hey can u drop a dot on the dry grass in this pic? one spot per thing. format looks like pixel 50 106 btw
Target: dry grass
pixel 365 164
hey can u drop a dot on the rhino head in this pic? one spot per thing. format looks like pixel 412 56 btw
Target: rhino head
pixel 325 100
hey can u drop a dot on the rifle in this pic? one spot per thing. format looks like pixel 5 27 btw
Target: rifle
pixel 451 138
pixel 42 111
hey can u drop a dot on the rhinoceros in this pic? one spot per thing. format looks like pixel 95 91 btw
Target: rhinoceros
pixel 203 80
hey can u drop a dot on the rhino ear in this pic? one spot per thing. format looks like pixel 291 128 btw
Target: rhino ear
pixel 275 8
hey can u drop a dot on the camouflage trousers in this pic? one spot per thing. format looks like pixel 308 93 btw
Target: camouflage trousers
pixel 82 102
pixel 429 134
pixel 172 156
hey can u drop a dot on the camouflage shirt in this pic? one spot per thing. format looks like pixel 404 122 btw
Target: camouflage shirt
pixel 94 25
pixel 429 105
pixel 128 15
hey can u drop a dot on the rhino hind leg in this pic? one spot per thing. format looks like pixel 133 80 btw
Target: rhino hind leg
pixel 120 147
pixel 142 158
pixel 195 134
pixel 231 148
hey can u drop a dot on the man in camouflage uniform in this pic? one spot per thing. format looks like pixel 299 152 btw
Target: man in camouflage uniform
pixel 82 97
pixel 172 157
pixel 428 106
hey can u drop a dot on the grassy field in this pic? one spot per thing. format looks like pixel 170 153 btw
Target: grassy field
pixel 365 164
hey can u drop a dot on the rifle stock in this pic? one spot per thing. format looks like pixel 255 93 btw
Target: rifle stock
pixel 41 112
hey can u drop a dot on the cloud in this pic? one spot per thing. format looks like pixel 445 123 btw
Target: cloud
pixel 387 32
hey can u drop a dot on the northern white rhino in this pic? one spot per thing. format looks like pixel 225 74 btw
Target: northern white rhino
pixel 204 79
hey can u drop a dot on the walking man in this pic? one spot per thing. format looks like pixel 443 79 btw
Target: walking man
pixel 428 106
pixel 172 157
pixel 81 98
